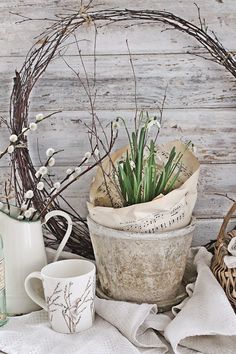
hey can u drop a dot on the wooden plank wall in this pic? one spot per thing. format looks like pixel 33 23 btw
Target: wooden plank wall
pixel 200 101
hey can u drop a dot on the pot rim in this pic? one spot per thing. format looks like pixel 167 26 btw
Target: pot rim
pixel 107 232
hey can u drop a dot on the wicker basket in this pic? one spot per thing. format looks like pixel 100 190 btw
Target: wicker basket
pixel 225 276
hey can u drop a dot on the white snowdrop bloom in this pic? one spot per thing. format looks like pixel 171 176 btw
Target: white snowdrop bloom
pixel 20 217
pixel 191 147
pixel 69 171
pixel 29 194
pixel 153 121
pixel 87 155
pixel 39 117
pixel 150 124
pixel 13 138
pixel 78 170
pixel 72 177
pixel 33 126
pixel 43 170
pixel 116 124
pixel 96 152
pixel 50 152
pixel 51 162
pixel 10 149
pixel 23 207
pixel 28 214
pixel 57 185
pixel 156 122
pixel 132 164
pixel 37 174
pixel 1 205
pixel 40 186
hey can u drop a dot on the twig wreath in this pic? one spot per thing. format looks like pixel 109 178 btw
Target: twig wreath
pixel 47 47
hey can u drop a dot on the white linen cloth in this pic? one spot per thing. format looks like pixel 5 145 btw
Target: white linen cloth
pixel 203 323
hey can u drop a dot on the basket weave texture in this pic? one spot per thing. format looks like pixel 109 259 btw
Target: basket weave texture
pixel 225 276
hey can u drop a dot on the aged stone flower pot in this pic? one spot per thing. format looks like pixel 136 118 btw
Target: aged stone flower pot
pixel 140 267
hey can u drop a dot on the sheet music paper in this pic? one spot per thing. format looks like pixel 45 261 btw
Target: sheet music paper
pixel 164 213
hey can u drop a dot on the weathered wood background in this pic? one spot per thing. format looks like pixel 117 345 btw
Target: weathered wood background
pixel 200 101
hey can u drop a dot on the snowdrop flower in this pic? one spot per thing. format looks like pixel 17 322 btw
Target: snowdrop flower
pixel 50 152
pixel 51 162
pixel 13 138
pixel 116 124
pixel 20 217
pixel 87 155
pixel 153 121
pixel 96 152
pixel 29 194
pixel 28 214
pixel 10 149
pixel 23 207
pixel 39 117
pixel 40 186
pixel 191 146
pixel 57 185
pixel 69 171
pixel 33 126
pixel 37 174
pixel 43 170
pixel 132 164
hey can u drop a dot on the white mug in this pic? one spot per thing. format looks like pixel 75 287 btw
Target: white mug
pixel 69 291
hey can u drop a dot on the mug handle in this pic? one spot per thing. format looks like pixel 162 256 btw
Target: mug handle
pixel 32 293
pixel 68 231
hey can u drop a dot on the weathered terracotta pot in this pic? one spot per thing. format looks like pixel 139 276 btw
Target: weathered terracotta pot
pixel 140 267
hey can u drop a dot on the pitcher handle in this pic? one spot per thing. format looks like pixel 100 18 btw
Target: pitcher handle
pixel 68 231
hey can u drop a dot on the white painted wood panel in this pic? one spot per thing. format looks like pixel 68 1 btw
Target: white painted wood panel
pixel 212 131
pixel 220 17
pixel 200 101
pixel 192 83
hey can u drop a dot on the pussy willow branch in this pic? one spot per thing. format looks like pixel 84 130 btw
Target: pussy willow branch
pixel 36 62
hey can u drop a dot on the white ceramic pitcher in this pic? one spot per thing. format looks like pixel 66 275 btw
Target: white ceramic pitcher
pixel 24 252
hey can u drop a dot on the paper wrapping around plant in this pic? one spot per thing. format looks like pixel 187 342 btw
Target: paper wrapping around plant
pixel 164 213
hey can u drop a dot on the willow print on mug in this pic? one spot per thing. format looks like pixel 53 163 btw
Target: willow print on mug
pixel 69 290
